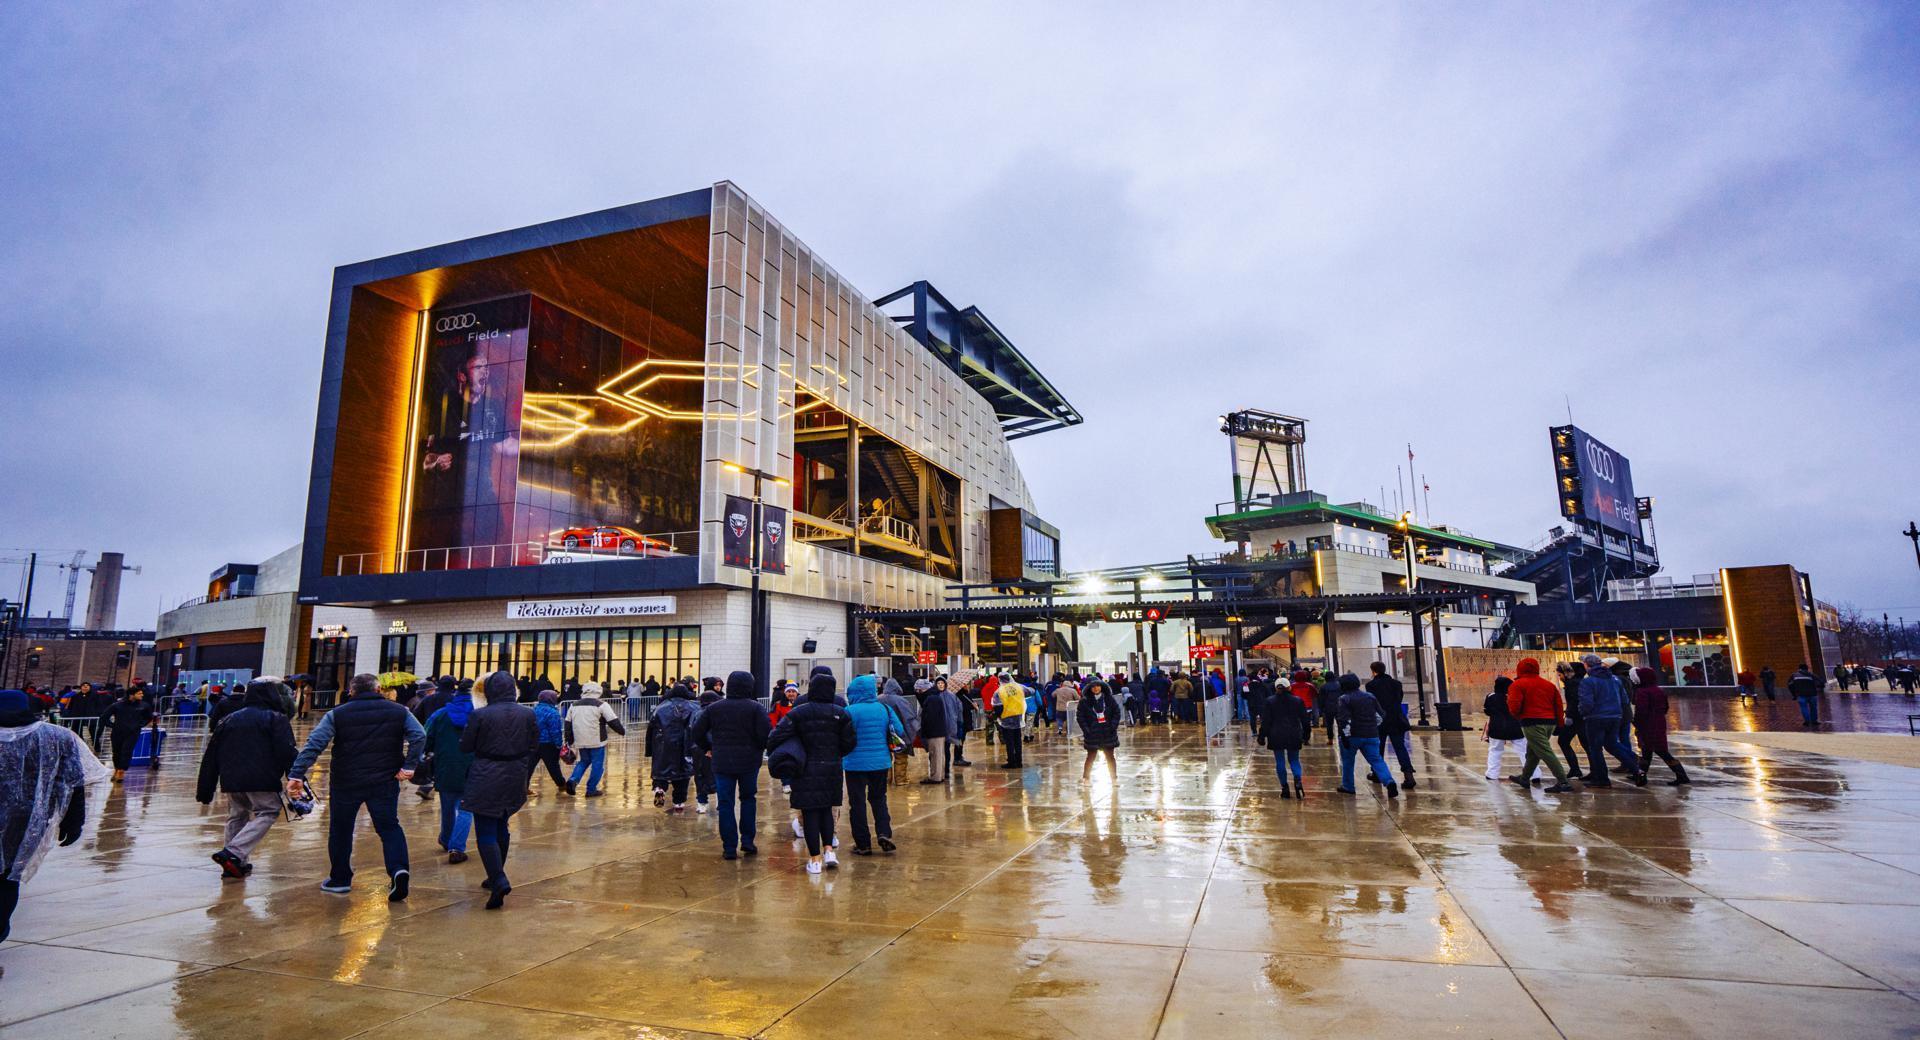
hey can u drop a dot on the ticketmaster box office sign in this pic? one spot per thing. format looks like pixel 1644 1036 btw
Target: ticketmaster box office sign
pixel 633 606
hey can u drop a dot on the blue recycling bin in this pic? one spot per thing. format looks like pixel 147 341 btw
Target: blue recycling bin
pixel 148 747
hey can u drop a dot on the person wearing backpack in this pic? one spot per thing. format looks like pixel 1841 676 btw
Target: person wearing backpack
pixel 824 733
pixel 734 731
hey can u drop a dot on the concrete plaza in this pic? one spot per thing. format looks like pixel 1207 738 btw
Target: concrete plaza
pixel 1778 896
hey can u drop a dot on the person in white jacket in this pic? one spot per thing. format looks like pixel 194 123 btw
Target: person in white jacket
pixel 587 722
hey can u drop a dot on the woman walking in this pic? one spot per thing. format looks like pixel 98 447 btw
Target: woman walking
pixel 1283 728
pixel 1099 716
pixel 825 733
pixel 546 715
pixel 1650 723
pixel 446 732
pixel 1503 732
pixel 670 736
pixel 868 765
pixel 125 719
pixel 44 773
pixel 500 737
pixel 1575 725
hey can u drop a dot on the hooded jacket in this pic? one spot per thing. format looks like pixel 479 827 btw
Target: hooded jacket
pixel 735 728
pixel 1098 714
pixel 1532 699
pixel 250 750
pixel 1601 695
pixel 1283 721
pixel 933 715
pixel 1649 710
pixel 872 721
pixel 445 727
pixel 670 736
pixel 1501 723
pixel 1390 695
pixel 586 722
pixel 904 706
pixel 501 738
pixel 825 732
pixel 1357 712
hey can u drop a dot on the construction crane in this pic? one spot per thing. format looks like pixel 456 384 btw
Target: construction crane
pixel 73 580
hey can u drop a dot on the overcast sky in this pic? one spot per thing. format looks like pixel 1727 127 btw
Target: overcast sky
pixel 1425 223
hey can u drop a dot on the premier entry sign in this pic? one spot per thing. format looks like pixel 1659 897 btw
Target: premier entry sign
pixel 631 606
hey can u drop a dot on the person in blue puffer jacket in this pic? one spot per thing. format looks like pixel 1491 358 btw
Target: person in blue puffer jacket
pixel 553 729
pixel 867 766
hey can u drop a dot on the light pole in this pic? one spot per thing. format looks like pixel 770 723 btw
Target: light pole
pixel 1413 615
pixel 759 659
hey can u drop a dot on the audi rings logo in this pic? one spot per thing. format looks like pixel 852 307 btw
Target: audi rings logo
pixel 1601 460
pixel 456 322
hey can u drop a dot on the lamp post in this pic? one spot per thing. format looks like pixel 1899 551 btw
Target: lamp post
pixel 1413 615
pixel 759 657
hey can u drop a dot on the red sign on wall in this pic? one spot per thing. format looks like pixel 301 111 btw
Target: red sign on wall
pixel 1205 650
pixel 926 657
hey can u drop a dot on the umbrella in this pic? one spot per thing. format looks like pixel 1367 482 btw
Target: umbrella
pixel 397 680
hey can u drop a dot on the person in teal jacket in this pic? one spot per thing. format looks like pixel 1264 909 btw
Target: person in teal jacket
pixel 868 765
pixel 450 772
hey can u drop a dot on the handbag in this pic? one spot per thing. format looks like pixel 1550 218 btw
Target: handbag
pixel 423 773
pixel 568 755
pixel 788 760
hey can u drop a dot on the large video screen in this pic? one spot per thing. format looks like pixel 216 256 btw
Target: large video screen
pixel 542 433
pixel 1606 479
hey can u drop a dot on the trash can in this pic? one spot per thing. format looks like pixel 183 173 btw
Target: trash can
pixel 1449 715
pixel 149 746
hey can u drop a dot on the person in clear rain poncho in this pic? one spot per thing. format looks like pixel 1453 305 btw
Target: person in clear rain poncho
pixel 44 773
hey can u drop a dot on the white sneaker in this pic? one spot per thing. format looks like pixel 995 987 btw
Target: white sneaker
pixel 832 861
pixel 798 831
pixel 700 807
pixel 679 807
pixel 813 866
pixel 836 842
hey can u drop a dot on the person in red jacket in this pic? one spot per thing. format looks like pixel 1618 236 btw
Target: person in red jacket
pixel 1304 691
pixel 1536 703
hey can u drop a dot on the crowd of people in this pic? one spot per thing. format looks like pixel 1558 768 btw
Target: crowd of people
pixel 481 746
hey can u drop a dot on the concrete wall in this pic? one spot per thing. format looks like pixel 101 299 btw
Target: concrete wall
pixel 277 615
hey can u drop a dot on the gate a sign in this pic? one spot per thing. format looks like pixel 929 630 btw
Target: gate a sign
pixel 1134 614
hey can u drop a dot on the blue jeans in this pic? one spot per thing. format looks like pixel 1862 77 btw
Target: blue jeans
pixel 1604 735
pixel 491 830
pixel 1369 747
pixel 454 822
pixel 383 808
pixel 1283 758
pixel 590 756
pixel 1809 710
pixel 735 833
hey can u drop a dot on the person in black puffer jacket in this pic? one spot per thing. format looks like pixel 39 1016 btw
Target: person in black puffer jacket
pixel 1390 695
pixel 500 737
pixel 247 756
pixel 825 731
pixel 1282 727
pixel 1503 732
pixel 1098 714
pixel 733 732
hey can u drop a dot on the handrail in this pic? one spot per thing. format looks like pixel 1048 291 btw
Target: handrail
pixel 510 554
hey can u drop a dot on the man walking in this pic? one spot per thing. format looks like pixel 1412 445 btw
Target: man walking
pixel 734 731
pixel 1767 679
pixel 1359 718
pixel 1603 704
pixel 1394 727
pixel 376 744
pixel 247 757
pixel 1536 703
pixel 1806 689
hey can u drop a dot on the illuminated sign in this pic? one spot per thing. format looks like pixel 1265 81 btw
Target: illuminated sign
pixel 398 626
pixel 1134 614
pixel 1595 483
pixel 926 657
pixel 1201 651
pixel 630 606
pixel 332 631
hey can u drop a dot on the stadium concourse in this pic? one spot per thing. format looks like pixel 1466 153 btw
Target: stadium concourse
pixel 1779 895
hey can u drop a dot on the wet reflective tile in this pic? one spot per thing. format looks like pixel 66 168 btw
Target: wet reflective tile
pixel 460 1018
pixel 728 974
pixel 1603 1006
pixel 36 980
pixel 1220 994
pixel 1703 829
pixel 1353 862
pixel 1824 876
pixel 1552 868
pixel 675 878
pixel 228 1002
pixel 84 909
pixel 464 946
pixel 1394 922
pixel 1117 853
pixel 1637 934
pixel 1882 941
pixel 1095 906
pixel 938 984
pixel 877 890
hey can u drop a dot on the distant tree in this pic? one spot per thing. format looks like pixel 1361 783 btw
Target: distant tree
pixel 1862 636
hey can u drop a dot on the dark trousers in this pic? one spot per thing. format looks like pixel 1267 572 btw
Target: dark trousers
pixel 383 804
pixel 491 838
pixel 869 787
pixel 1604 735
pixel 1010 736
pixel 1398 741
pixel 9 898
pixel 736 833
pixel 123 742
pixel 703 777
pixel 817 826
pixel 1565 735
pixel 94 727
pixel 677 789
pixel 550 754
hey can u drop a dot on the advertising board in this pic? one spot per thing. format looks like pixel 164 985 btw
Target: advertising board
pixel 1595 482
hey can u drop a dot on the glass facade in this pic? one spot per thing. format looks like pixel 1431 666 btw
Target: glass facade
pixel 397 653
pixel 610 656
pixel 1684 656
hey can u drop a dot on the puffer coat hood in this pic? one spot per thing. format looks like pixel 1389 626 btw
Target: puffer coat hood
pixel 740 685
pixel 499 687
pixel 862 690
pixel 820 688
pixel 1527 666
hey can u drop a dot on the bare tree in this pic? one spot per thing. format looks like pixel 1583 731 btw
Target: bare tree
pixel 1862 636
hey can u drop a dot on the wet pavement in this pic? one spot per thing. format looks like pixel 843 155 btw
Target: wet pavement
pixel 1779 895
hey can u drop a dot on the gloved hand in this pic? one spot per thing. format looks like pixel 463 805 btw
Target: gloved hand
pixel 75 818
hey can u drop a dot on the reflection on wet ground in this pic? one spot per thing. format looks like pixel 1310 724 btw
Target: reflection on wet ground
pixel 1780 893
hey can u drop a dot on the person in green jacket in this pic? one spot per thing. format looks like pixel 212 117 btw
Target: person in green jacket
pixel 450 766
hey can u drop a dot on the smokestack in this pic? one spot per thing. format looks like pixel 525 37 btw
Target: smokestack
pixel 103 596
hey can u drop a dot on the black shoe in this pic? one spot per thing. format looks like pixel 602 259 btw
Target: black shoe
pixel 397 891
pixel 1597 783
pixel 1372 779
pixel 569 788
pixel 887 846
pixel 729 854
pixel 1299 790
pixel 1639 779
pixel 498 897
pixel 929 780
pixel 1344 790
pixel 961 762
pixel 596 794
pixel 245 869
pixel 1393 790
pixel 1285 793
pixel 1518 781
pixel 749 850
pixel 860 850
pixel 230 865
pixel 1409 785
pixel 1559 788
